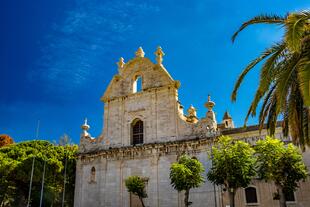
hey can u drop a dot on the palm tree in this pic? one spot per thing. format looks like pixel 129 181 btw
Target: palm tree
pixel 284 85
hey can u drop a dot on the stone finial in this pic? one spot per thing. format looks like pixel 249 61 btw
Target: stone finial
pixel 192 111
pixel 85 127
pixel 120 63
pixel 192 115
pixel 159 55
pixel 210 115
pixel 210 104
pixel 140 52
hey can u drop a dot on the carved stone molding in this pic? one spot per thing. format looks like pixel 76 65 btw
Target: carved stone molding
pixel 149 150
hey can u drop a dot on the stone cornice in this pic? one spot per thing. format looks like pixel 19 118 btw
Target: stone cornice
pixel 150 150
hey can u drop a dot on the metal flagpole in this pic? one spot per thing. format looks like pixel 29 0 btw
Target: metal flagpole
pixel 64 192
pixel 42 184
pixel 30 184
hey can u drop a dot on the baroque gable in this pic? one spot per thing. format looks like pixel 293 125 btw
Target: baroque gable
pixel 155 104
pixel 153 76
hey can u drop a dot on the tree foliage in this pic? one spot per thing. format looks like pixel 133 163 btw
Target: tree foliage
pixel 136 185
pixel 233 165
pixel 15 170
pixel 185 174
pixel 284 86
pixel 281 164
pixel 5 140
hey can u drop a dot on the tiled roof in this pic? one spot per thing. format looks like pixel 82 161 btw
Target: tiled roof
pixel 246 129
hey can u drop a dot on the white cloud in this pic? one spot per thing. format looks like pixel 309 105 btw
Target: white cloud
pixel 76 48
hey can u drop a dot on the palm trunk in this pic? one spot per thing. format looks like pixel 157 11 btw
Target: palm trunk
pixel 186 198
pixel 141 199
pixel 232 197
pixel 282 200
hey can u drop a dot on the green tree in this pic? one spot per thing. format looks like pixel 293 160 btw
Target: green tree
pixel 284 86
pixel 15 169
pixel 185 174
pixel 136 185
pixel 233 165
pixel 281 164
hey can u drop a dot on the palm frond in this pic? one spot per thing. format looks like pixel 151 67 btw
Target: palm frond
pixel 284 84
pixel 304 80
pixel 293 116
pixel 266 78
pixel 306 125
pixel 272 117
pixel 287 74
pixel 296 26
pixel 270 96
pixel 303 71
pixel 267 19
pixel 275 48
pixel 285 123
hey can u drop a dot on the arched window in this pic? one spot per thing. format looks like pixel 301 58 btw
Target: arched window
pixel 137 84
pixel 250 195
pixel 137 132
pixel 93 174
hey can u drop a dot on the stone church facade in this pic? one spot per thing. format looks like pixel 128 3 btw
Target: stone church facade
pixel 145 130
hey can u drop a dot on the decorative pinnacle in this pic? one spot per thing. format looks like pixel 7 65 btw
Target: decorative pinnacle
pixel 210 104
pixel 140 52
pixel 191 111
pixel 192 107
pixel 85 126
pixel 159 55
pixel 120 63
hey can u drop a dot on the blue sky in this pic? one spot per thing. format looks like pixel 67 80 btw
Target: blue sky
pixel 57 57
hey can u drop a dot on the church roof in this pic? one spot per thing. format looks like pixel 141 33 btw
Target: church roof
pixel 247 128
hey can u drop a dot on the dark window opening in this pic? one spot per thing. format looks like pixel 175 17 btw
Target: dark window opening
pixel 137 132
pixel 93 174
pixel 250 195
pixel 289 196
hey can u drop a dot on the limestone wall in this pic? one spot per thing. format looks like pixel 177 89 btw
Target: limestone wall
pixel 157 108
pixel 150 161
